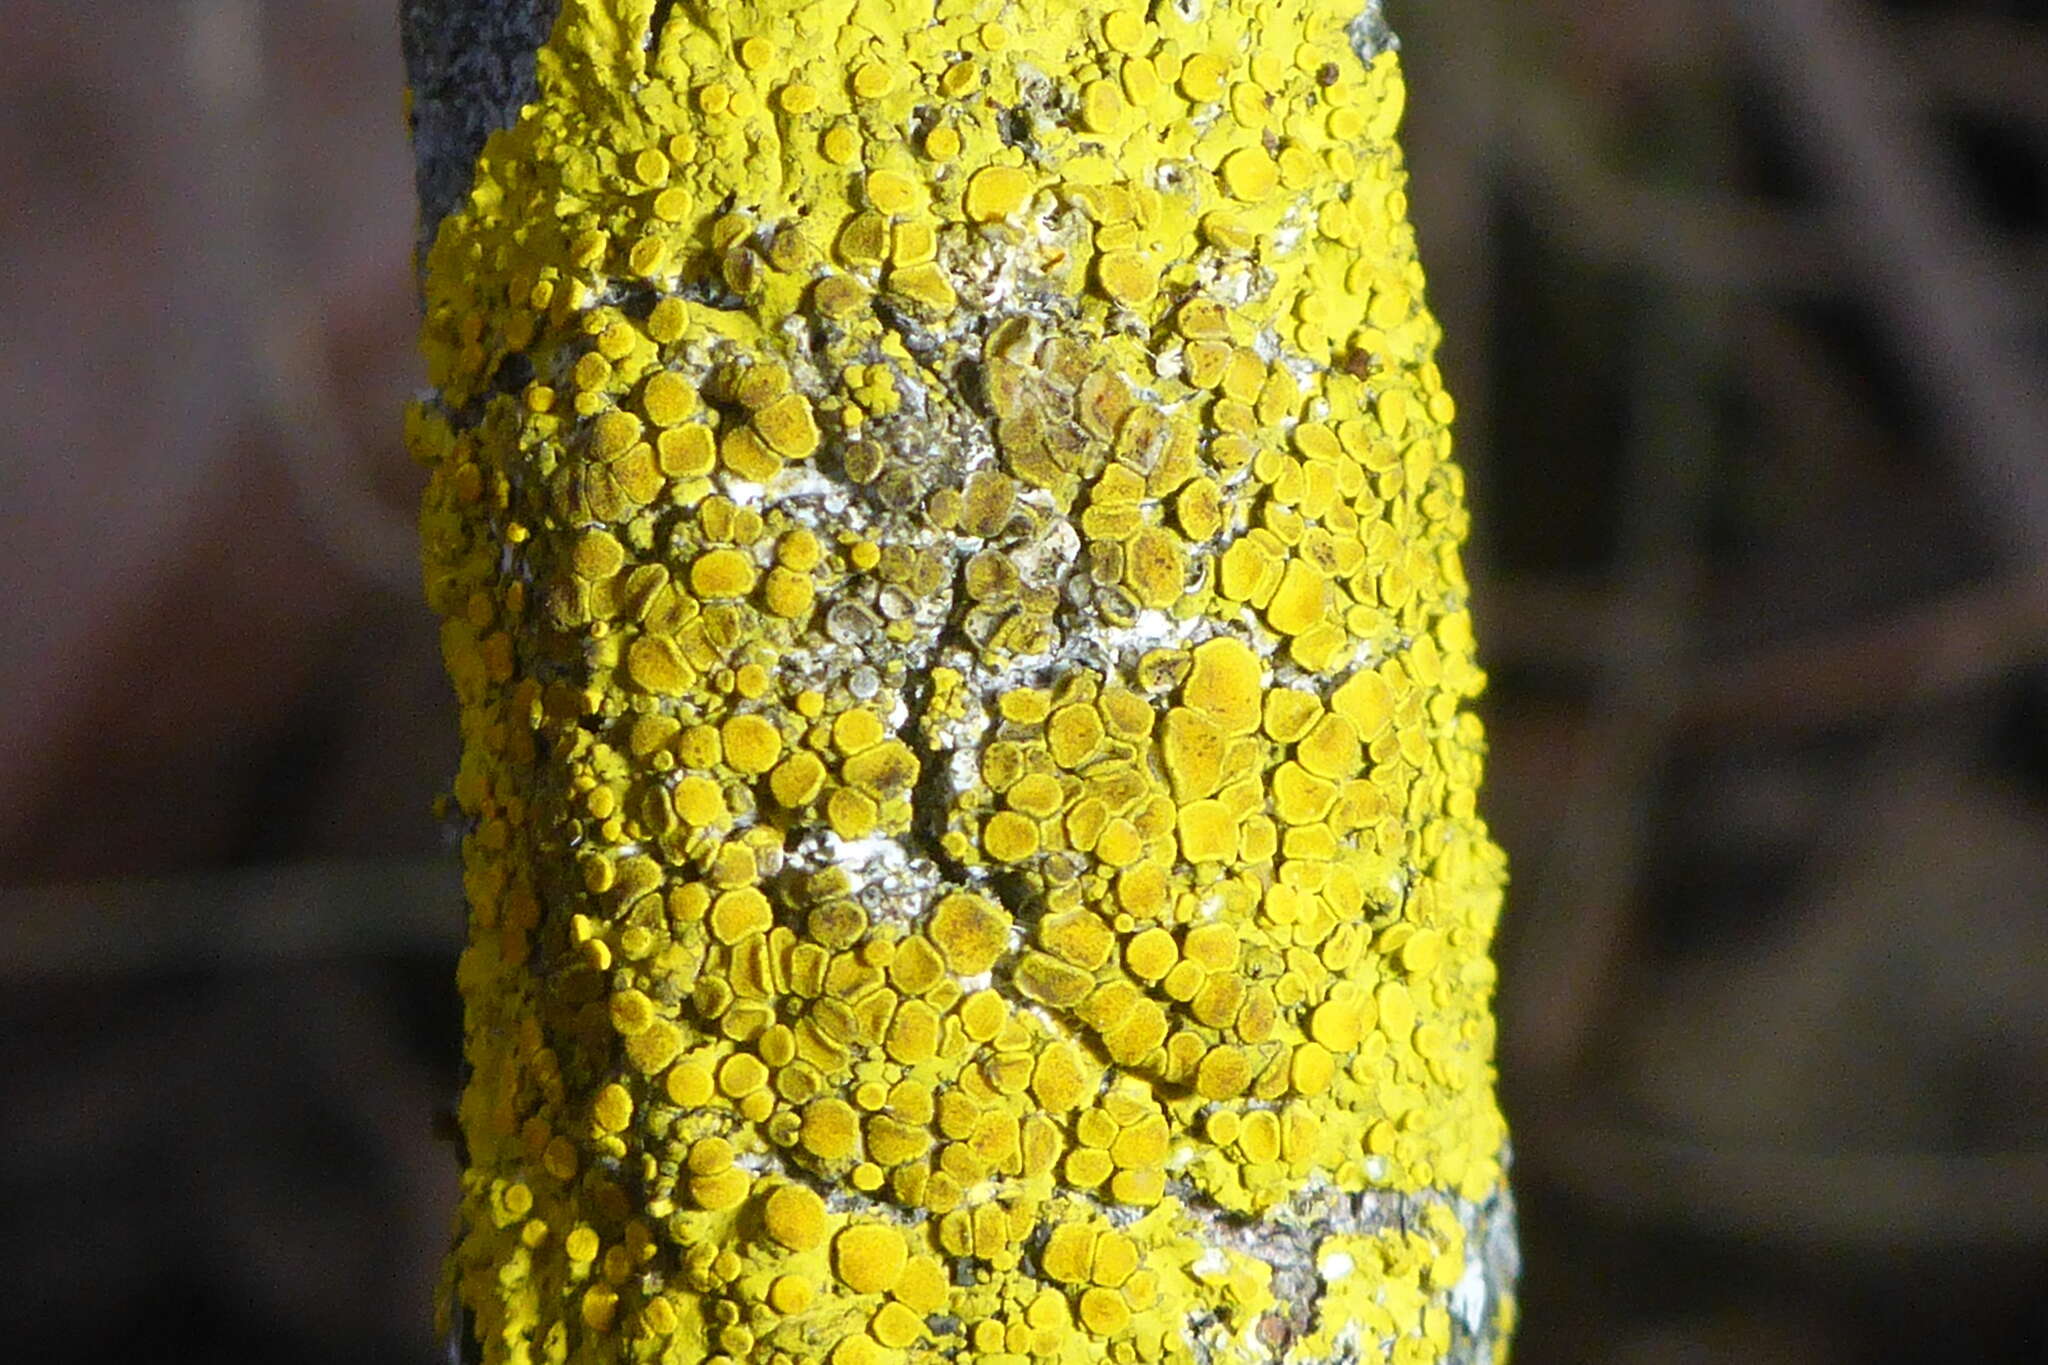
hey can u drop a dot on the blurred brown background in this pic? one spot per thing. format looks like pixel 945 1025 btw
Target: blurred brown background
pixel 1748 315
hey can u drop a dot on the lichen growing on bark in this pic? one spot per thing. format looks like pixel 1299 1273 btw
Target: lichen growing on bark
pixel 949 562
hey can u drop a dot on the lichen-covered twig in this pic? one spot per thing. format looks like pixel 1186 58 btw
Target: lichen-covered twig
pixel 949 560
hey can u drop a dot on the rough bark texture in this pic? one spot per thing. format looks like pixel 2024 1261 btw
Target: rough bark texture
pixel 949 561
pixel 469 71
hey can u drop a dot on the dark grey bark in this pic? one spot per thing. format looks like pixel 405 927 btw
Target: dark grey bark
pixel 470 66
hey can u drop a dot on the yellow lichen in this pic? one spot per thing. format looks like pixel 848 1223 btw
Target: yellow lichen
pixel 996 192
pixel 965 687
pixel 970 931
pixel 722 573
pixel 795 1217
pixel 869 1258
pixel 1225 685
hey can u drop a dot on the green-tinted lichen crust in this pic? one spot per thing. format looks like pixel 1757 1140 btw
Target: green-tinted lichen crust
pixel 949 562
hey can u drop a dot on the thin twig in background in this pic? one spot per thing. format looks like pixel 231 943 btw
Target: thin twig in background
pixel 1867 671
pixel 1977 61
pixel 1702 239
pixel 1924 260
pixel 1864 1199
pixel 232 918
pixel 1587 877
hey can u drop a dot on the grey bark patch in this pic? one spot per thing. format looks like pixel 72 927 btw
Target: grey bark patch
pixel 1287 1238
pixel 1369 33
pixel 470 64
pixel 1493 1256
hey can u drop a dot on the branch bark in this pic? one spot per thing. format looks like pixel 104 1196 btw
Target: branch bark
pixel 468 71
pixel 949 563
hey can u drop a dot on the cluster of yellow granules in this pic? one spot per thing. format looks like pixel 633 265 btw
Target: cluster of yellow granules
pixel 949 565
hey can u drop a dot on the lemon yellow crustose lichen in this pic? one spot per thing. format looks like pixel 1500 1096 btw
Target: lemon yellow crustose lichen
pixel 942 519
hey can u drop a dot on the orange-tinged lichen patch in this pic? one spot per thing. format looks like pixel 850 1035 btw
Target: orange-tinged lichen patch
pixel 964 674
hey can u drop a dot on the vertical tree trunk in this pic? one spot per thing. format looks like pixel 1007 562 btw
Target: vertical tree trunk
pixel 942 516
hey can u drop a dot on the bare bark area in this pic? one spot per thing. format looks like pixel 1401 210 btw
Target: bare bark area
pixel 469 64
